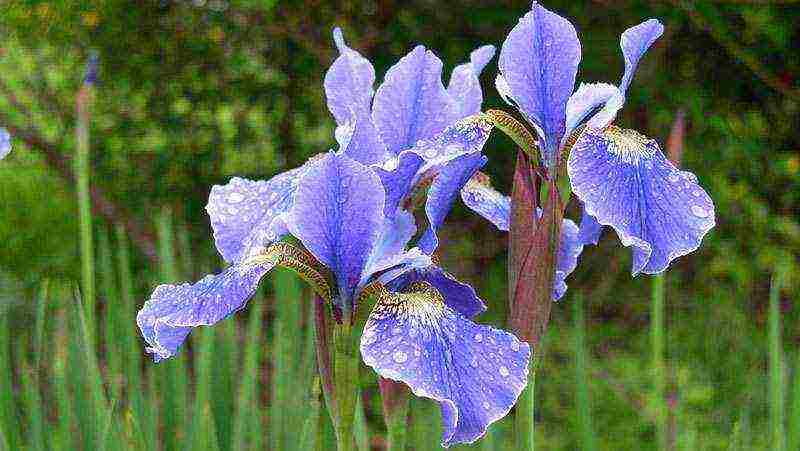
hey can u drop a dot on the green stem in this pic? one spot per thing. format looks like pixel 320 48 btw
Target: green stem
pixel 657 341
pixel 582 379
pixel 523 420
pixel 83 105
pixel 776 365
pixel 394 396
pixel 345 377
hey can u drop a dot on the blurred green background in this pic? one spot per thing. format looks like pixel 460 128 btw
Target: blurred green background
pixel 194 92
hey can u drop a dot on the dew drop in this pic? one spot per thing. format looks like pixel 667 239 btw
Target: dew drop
pixel 699 211
pixel 235 198
pixel 486 405
pixel 400 356
pixel 504 371
pixel 478 338
pixel 673 177
pixel 474 363
pixel 396 331
pixel 515 346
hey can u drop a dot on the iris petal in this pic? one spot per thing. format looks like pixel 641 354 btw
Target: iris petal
pixel 338 215
pixel 475 372
pixel 626 182
pixel 5 143
pixel 443 192
pixel 412 103
pixel 457 295
pixel 634 43
pixel 589 229
pixel 174 310
pixel 586 100
pixel 465 85
pixel 248 215
pixel 538 62
pixel 349 89
pixel 569 249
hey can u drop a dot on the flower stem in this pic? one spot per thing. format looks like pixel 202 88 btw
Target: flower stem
pixel 523 420
pixel 345 383
pixel 395 412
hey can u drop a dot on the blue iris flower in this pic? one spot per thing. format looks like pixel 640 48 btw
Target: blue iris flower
pixel 621 177
pixel 5 143
pixel 344 221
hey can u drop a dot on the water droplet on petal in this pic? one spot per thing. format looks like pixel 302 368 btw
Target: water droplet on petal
pixel 515 346
pixel 478 338
pixel 235 198
pixel 699 211
pixel 504 371
pixel 400 356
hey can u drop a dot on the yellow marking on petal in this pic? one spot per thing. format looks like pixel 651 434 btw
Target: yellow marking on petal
pixel 515 130
pixel 628 144
pixel 420 303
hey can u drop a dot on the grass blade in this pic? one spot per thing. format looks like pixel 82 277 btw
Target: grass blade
pixel 247 395
pixel 82 173
pixel 776 389
pixel 582 377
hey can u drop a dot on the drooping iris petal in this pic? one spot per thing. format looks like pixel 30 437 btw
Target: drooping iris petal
pixel 174 310
pixel 465 85
pixel 634 42
pixel 589 230
pixel 587 100
pixel 483 199
pixel 349 89
pixel 338 215
pixel 457 295
pixel 443 192
pixel 248 215
pixel 538 63
pixel 475 372
pixel 569 249
pixel 412 103
pixel 5 143
pixel 625 182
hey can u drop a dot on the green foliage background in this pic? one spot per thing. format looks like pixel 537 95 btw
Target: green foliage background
pixel 194 92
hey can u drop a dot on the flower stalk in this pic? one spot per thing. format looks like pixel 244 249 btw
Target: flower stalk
pixel 394 396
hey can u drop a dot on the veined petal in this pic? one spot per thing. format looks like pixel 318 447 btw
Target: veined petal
pixel 465 85
pixel 338 215
pixel 248 215
pixel 569 250
pixel 479 195
pixel 5 143
pixel 634 42
pixel 412 103
pixel 589 230
pixel 443 192
pixel 539 60
pixel 457 295
pixel 626 182
pixel 174 310
pixel 587 100
pixel 475 372
pixel 349 89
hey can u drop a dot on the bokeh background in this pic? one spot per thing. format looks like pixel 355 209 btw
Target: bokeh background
pixel 191 93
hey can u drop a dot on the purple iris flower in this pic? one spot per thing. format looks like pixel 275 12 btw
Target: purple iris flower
pixel 621 177
pixel 344 221
pixel 5 143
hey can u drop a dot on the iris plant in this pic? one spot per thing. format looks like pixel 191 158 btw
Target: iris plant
pixel 344 221
pixel 620 177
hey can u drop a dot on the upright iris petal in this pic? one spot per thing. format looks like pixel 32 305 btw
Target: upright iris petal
pixel 626 182
pixel 338 215
pixel 465 85
pixel 635 41
pixel 538 64
pixel 412 103
pixel 349 89
pixel 5 143
pixel 475 372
